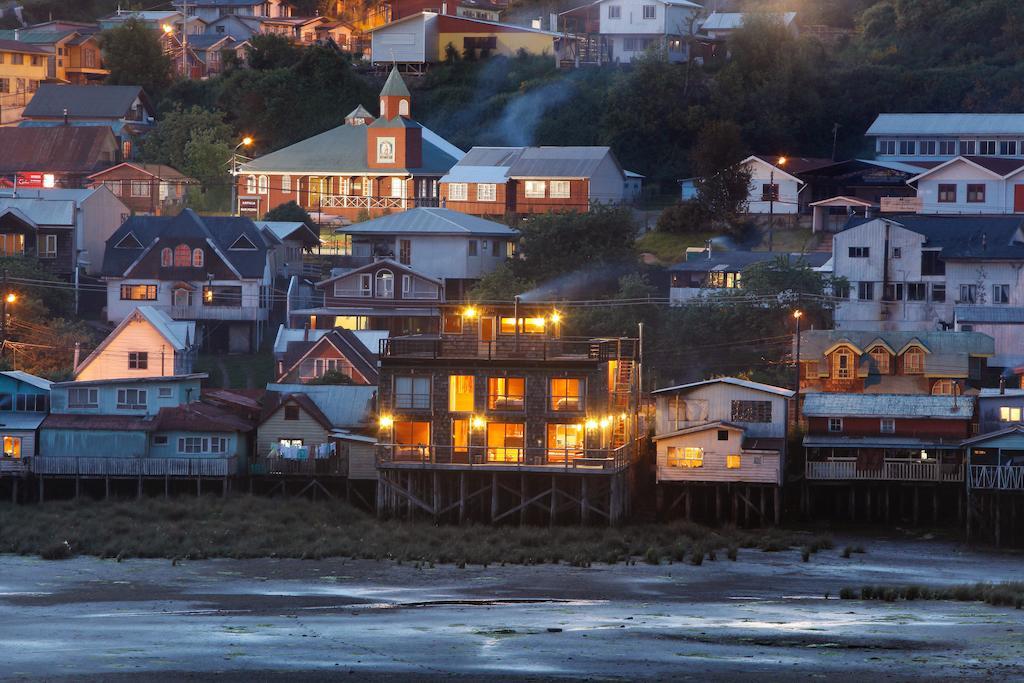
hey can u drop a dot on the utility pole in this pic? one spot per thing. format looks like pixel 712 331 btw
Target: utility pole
pixel 798 314
pixel 3 311
pixel 184 39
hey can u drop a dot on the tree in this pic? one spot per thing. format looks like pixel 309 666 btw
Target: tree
pixel 291 212
pixel 134 56
pixel 501 284
pixel 269 51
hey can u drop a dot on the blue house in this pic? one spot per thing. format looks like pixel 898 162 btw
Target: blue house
pixel 24 402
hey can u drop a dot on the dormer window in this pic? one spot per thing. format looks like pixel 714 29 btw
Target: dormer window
pixel 385 284
pixel 182 256
pixel 881 358
pixel 166 257
pixel 913 361
pixel 197 258
pixel 842 364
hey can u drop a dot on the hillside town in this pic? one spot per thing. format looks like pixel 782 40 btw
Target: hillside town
pixel 385 253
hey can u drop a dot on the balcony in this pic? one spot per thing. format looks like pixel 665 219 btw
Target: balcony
pixel 134 467
pixel 506 347
pixel 14 467
pixel 195 312
pixel 997 477
pixel 348 201
pixel 846 469
pixel 567 459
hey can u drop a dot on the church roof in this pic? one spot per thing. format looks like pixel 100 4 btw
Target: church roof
pixel 395 86
pixel 359 113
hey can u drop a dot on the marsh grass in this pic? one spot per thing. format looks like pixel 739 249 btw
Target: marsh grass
pixel 248 527
pixel 1006 594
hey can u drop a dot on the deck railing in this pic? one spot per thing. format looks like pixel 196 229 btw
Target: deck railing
pixel 506 347
pixel 14 466
pixel 206 312
pixel 891 470
pixel 483 457
pixel 133 467
pixel 266 465
pixel 1001 477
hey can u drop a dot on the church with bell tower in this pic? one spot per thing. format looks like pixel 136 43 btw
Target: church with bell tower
pixel 394 139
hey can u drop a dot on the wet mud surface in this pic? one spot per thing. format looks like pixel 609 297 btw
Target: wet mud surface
pixel 763 617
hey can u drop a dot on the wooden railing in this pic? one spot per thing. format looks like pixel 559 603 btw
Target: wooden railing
pixel 521 458
pixel 530 346
pixel 891 470
pixel 1001 477
pixel 354 201
pixel 200 312
pixel 14 466
pixel 334 466
pixel 134 467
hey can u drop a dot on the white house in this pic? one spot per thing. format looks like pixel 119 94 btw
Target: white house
pixel 972 185
pixel 766 174
pixel 916 272
pixel 147 343
pixel 721 431
pixel 720 25
pixel 940 137
pixel 211 10
pixel 631 27
pixel 288 241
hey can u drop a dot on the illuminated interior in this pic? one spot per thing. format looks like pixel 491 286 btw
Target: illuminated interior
pixel 460 436
pixel 685 457
pixel 12 446
pixel 412 438
pixel 526 326
pixel 565 442
pixel 505 441
pixel 565 394
pixel 460 393
pixel 506 393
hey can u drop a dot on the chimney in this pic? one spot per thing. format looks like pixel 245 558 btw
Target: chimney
pixel 1002 386
pixel 78 353
pixel 17 34
pixel 65 116
pixel 305 332
pixel 444 8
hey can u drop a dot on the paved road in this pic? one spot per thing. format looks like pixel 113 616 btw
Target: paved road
pixel 763 617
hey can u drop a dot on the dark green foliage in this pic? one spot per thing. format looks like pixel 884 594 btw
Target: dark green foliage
pixel 683 217
pixel 332 377
pixel 291 212
pixel 501 284
pixel 1003 594
pixel 134 56
pixel 269 51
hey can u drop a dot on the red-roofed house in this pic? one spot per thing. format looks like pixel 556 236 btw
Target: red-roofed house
pixel 146 188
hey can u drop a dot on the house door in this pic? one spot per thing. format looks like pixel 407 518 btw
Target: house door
pixel 1018 198
pixel 181 298
pixel 486 335
pixel 315 189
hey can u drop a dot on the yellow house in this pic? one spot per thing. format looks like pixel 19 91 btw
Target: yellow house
pixel 490 37
pixel 62 53
pixel 22 67
pixel 147 343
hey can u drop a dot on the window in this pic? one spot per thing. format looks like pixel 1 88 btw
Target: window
pixel 723 434
pixel 938 293
pixel 385 284
pixel 452 323
pixel 650 11
pixel 565 442
pixel 752 411
pixel 166 258
pixel 460 437
pixel 908 147
pixel 987 147
pixel 365 285
pixel 506 393
pixel 887 147
pixel 264 184
pixel 975 193
pixel 12 446
pixel 866 291
pixel 560 189
pixel 913 361
pixel 182 256
pixel 927 148
pixel 5 83
pixel 676 456
pixel 931 264
pixel 967 147
pixel 412 392
pixel 405 252
pixel 881 358
pixel 250 184
pixel 486 192
pixel 770 192
pixel 413 438
pixel 1000 294
pixel 537 189
pixel 286 183
pixel 724 280
pixel 12 244
pixel 943 387
pixel 566 395
pixel 916 291
pixel 968 294
pixel 614 12
pixel 859 252
pixel 526 326
pixel 197 258
pixel 893 292
pixel 841 290
pixel 131 399
pixel 457 192
pixel 222 295
pixel 138 292
pixel 732 462
pixel 160 440
pixel 202 444
pixel 1009 414
pixel 164 392
pixel 887 425
pixel 842 364
pixel 505 441
pixel 472 247
pixel 1008 148
pixel 83 398
pixel 947 148
pixel 32 403
pixel 138 360
pixel 17 58
pixel 140 188
pixel 460 393
pixel 897 252
pixel 291 412
pixel 835 424
pixel 397 188
pixel 47 245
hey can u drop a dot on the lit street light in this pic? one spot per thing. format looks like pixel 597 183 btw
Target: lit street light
pixel 246 142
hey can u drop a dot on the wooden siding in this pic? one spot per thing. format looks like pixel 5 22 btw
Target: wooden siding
pixel 362 462
pixel 499 207
pixel 719 398
pixel 276 427
pixel 137 335
pixel 578 199
pixel 922 428
pixel 324 350
pixel 767 471
pixel 94 443
pixel 28 440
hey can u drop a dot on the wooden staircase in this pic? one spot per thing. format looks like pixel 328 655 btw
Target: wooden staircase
pixel 621 403
pixel 825 245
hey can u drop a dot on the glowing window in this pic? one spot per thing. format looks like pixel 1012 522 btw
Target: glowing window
pixel 565 442
pixel 1009 414
pixel 732 462
pixel 460 393
pixel 566 394
pixel 182 256
pixel 526 326
pixel 684 457
pixel 197 258
pixel 506 393
pixel 505 441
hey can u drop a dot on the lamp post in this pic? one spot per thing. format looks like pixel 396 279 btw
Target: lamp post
pixel 772 195
pixel 246 141
pixel 8 297
pixel 797 314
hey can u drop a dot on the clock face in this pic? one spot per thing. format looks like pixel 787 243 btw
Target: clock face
pixel 385 150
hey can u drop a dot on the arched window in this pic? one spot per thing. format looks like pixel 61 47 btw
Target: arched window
pixel 403 107
pixel 944 387
pixel 842 364
pixel 385 284
pixel 166 257
pixel 197 258
pixel 182 256
pixel 383 108
pixel 264 184
pixel 881 358
pixel 913 361
pixel 250 184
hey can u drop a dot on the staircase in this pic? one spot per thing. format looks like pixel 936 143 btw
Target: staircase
pixel 622 394
pixel 825 245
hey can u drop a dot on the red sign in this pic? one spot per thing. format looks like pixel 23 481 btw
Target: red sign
pixel 36 180
pixel 249 206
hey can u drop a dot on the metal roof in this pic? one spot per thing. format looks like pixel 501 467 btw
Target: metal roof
pixel 394 86
pixel 949 353
pixel 70 149
pixel 741 260
pixel 41 212
pixel 346 406
pixel 735 381
pixel 285 335
pixel 158 171
pixel 476 174
pixel 730 21
pixel 995 392
pixel 980 237
pixel 21 419
pixel 560 162
pixel 968 313
pixel 19 46
pixel 21 376
pixel 903 442
pixel 429 221
pixel 952 124
pixel 83 101
pixel 823 404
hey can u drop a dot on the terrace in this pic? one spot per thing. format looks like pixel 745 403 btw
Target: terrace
pixel 885 469
pixel 508 347
pixel 507 458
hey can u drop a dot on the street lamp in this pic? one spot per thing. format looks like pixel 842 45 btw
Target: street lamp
pixel 9 299
pixel 246 142
pixel 797 314
pixel 772 196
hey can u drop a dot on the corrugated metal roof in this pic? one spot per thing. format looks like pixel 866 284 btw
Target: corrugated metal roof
pixel 903 442
pixel 822 404
pixel 476 174
pixel 730 21
pixel 994 392
pixel 70 149
pixel 179 333
pixel 158 171
pixel 27 378
pixel 735 381
pixel 394 86
pixel 732 260
pixel 492 156
pixel 285 335
pixel 429 221
pixel 903 166
pixel 559 162
pixel 346 406
pixel 19 46
pixel 947 124
pixel 10 419
pixel 83 101
pixel 42 211
pixel 968 313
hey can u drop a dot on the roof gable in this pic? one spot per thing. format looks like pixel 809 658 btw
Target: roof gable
pixel 178 334
pixel 85 101
pixel 350 348
pixel 129 241
pixel 735 381
pixel 374 267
